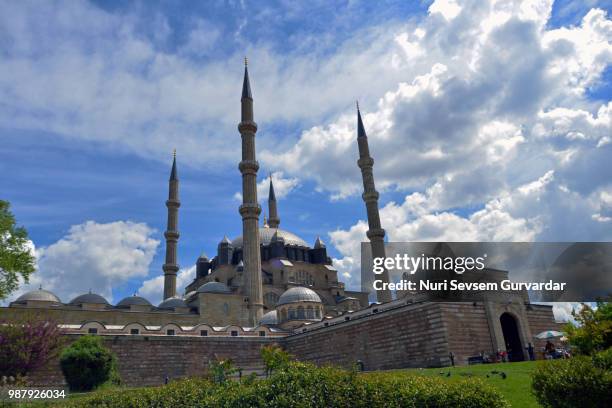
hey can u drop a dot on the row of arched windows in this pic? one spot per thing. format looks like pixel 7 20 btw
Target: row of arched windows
pixel 300 313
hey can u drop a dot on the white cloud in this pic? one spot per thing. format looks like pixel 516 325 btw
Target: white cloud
pixel 95 257
pixel 153 289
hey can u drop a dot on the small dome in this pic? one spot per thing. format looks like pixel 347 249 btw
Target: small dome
pixel 298 294
pixel 269 318
pixel 89 298
pixel 172 302
pixel 40 295
pixel 133 300
pixel 214 287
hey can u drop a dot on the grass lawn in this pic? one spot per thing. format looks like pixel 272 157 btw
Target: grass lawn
pixel 516 387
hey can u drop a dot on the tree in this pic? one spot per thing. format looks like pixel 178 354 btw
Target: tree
pixel 593 331
pixel 87 364
pixel 16 258
pixel 26 343
pixel 274 358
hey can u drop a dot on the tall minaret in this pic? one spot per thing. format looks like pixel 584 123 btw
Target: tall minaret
pixel 171 267
pixel 250 209
pixel 274 220
pixel 375 232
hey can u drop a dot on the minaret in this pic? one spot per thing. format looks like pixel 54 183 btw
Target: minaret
pixel 375 232
pixel 274 220
pixel 171 267
pixel 250 209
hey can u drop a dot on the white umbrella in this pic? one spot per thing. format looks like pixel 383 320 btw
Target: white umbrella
pixel 549 334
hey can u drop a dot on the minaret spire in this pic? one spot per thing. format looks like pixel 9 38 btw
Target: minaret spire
pixel 250 209
pixel 274 220
pixel 171 267
pixel 375 233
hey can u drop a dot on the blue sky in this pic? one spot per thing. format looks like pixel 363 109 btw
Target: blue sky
pixel 467 146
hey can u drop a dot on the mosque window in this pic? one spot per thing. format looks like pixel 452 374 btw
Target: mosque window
pixel 92 330
pixel 170 332
pixel 262 333
pixel 134 331
pixel 318 313
pixel 292 313
pixel 234 333
pixel 300 312
pixel 310 312
pixel 204 333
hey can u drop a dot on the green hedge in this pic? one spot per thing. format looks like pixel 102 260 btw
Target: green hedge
pixel 578 382
pixel 304 385
pixel 87 364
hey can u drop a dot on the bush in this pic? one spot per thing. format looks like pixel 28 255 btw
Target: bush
pixel 304 385
pixel 577 382
pixel 87 364
pixel 27 343
pixel 603 360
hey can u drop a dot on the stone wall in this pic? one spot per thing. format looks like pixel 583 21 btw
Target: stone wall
pixel 468 330
pixel 147 360
pixel 409 336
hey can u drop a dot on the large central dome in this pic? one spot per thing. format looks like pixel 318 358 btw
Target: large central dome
pixel 266 234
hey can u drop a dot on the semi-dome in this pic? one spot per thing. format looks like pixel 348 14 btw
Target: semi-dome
pixel 39 295
pixel 89 298
pixel 269 318
pixel 214 287
pixel 133 300
pixel 298 294
pixel 172 303
pixel 266 234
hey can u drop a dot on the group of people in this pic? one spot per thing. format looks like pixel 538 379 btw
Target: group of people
pixel 552 352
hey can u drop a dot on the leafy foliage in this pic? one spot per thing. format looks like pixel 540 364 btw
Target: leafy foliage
pixel 578 382
pixel 594 329
pixel 87 364
pixel 274 357
pixel 221 370
pixel 305 385
pixel 27 342
pixel 16 258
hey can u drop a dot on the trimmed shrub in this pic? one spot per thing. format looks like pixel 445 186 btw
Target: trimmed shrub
pixel 303 385
pixel 577 382
pixel 87 364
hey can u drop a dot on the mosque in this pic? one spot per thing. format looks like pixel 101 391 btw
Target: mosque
pixel 270 285
pixel 266 276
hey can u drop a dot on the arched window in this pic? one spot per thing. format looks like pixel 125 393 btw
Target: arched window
pixel 300 312
pixel 318 313
pixel 292 313
pixel 310 312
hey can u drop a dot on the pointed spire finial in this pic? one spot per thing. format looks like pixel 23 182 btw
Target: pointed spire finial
pixel 173 173
pixel 360 129
pixel 246 85
pixel 357 103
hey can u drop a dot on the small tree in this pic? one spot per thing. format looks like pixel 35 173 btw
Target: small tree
pixel 87 364
pixel 16 258
pixel 274 358
pixel 27 342
pixel 220 370
pixel 594 329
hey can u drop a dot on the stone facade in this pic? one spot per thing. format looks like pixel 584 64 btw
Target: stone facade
pixel 399 335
